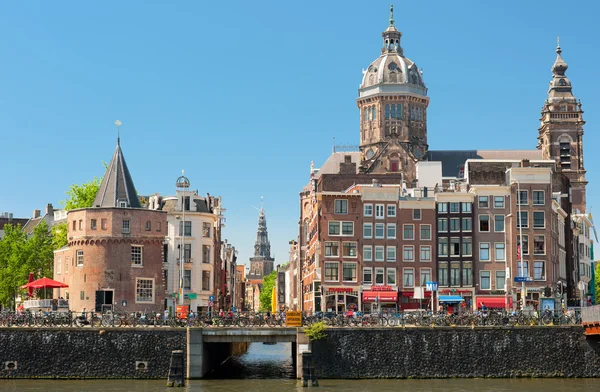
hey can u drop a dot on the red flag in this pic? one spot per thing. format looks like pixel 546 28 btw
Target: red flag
pixel 518 252
pixel 30 289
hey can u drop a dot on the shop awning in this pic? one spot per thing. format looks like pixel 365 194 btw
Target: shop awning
pixel 381 296
pixel 450 298
pixel 491 302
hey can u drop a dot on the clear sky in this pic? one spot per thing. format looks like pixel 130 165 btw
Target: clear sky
pixel 244 94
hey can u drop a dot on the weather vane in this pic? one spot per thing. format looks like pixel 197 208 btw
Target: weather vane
pixel 118 124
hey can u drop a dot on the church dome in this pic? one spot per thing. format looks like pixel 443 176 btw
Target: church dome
pixel 392 70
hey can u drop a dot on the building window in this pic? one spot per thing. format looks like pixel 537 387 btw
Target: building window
pixel 74 225
pixel 484 223
pixel 390 253
pixel 484 280
pixel 186 203
pixel 466 207
pixel 67 265
pixel 379 230
pixel 332 249
pixel 538 220
pixel 525 248
pixel 205 280
pixel 391 231
pixel 455 224
pixel 408 232
pixel 425 232
pixel 539 270
pixel 454 207
pixel 331 272
pixel 349 249
pixel 368 230
pixel 484 201
pixel 539 245
pixel 82 295
pixel 93 224
pixel 187 279
pixel 443 246
pixel 499 223
pixel 498 201
pixel 379 212
pixel 454 246
pixel 80 224
pixel 443 274
pixel 137 255
pixel 522 219
pixel 367 276
pixel 206 229
pixel 442 208
pixel 80 257
pixel 144 290
pixel 205 254
pixel 349 272
pixel 522 198
pixel 425 253
pixel 58 264
pixel 525 270
pixel 391 276
pixel 467 274
pixel 416 214
pixel 499 252
pixel 126 229
pixel 379 253
pixel 538 198
pixel 391 210
pixel 341 206
pixel 467 246
pixel 500 280
pixel 442 225
pixel 467 224
pixel 186 228
pixel 408 253
pixel 367 253
pixel 158 226
pixel 484 251
pixel 455 274
pixel 379 276
pixel 368 210
pixel 347 228
pixel 409 277
pixel 565 155
pixel 425 276
pixel 103 224
pixel 334 228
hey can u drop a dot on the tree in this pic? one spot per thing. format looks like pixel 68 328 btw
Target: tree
pixel 266 293
pixel 59 235
pixel 82 196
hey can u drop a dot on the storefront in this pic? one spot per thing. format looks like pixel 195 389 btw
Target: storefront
pixel 493 301
pixel 340 299
pixel 467 296
pixel 380 299
pixel 409 302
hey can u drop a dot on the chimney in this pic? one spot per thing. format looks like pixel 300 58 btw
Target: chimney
pixel 525 163
pixel 36 214
pixel 347 167
pixel 49 209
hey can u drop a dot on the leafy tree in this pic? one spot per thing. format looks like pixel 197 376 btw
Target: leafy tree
pixel 82 196
pixel 59 235
pixel 266 292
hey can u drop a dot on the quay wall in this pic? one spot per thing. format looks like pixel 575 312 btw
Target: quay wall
pixel 71 353
pixel 445 352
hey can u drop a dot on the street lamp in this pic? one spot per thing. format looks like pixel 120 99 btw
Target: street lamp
pixel 520 223
pixel 183 185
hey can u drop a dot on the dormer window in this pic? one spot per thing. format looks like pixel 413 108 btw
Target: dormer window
pixel 122 204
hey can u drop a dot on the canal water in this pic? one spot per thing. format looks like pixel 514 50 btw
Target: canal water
pixel 268 368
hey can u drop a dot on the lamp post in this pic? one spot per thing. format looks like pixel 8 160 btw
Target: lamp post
pixel 182 184
pixel 519 222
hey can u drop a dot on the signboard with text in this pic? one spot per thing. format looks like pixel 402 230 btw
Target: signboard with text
pixel 293 318
pixel 431 286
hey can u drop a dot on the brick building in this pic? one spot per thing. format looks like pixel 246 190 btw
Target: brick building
pixel 114 255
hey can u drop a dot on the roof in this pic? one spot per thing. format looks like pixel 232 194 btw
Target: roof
pixel 13 221
pixel 332 164
pixel 198 205
pixel 117 185
pixel 453 160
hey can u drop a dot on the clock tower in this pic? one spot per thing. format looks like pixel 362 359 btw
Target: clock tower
pixel 393 101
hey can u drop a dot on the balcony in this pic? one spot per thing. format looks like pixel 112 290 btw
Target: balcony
pixel 34 304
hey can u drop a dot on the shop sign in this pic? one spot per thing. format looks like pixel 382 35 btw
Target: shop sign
pixel 340 289
pixel 382 288
pixel 293 318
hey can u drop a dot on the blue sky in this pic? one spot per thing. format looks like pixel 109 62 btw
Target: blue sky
pixel 243 95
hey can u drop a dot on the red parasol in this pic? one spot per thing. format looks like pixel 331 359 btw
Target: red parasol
pixel 31 279
pixel 44 283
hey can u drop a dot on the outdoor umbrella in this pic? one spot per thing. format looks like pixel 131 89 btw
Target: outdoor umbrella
pixel 44 283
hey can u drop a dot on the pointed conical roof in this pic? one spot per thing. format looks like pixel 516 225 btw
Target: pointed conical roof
pixel 117 186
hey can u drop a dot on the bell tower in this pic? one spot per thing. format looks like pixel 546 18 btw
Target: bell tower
pixel 560 134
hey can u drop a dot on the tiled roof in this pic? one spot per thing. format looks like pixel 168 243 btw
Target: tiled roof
pixel 452 160
pixel 117 184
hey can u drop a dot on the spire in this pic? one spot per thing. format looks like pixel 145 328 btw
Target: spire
pixel 118 124
pixel 391 14
pixel 560 86
pixel 391 36
pixel 559 68
pixel 262 246
pixel 117 189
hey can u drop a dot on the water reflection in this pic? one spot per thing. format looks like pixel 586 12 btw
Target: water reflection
pixel 261 361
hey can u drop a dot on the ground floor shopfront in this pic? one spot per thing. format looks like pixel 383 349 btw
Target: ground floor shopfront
pixel 371 299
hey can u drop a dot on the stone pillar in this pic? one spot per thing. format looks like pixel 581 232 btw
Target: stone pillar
pixel 195 354
pixel 302 344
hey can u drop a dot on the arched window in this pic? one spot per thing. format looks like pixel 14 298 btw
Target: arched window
pixel 387 111
pixel 562 82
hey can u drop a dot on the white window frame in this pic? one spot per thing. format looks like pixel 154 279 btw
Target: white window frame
pixel 479 223
pixel 465 207
pixel 450 225
pixel 379 271
pixel 408 250
pixel 456 204
pixel 503 223
pixel 533 219
pixel 381 227
pixel 342 229
pixel 496 249
pixel 483 200
pixel 355 249
pixel 407 226
pixel 365 226
pixel 379 248
pixel 391 210
pixel 404 270
pixel 414 215
pixel 58 265
pixel 427 249
pixel 392 227
pixel 355 265
pixel 423 281
pixel 387 277
pixel 391 254
pixel 499 198
pixel 379 211
pixel 137 296
pixel 368 209
pixel 524 214
pixel 544 237
pixel 140 262
pixel 421 233
pixel 543 277
pixel 338 248
pixel 342 202
pixel 370 271
pixel 365 249
pixel 519 201
pixel 79 257
pixel 489 258
pixel 325 278
pixel 126 226
pixel 442 208
pixel 489 276
pixel 543 198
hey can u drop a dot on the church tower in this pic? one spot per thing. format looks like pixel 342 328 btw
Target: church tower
pixel 261 264
pixel 393 101
pixel 561 131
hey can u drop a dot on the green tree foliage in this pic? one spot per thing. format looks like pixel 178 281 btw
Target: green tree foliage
pixel 316 331
pixel 266 292
pixel 59 235
pixel 82 196
pixel 20 255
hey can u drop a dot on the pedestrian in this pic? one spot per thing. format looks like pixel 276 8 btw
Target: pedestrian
pixel 166 314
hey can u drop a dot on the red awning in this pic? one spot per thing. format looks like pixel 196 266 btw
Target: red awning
pixel 491 302
pixel 381 296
